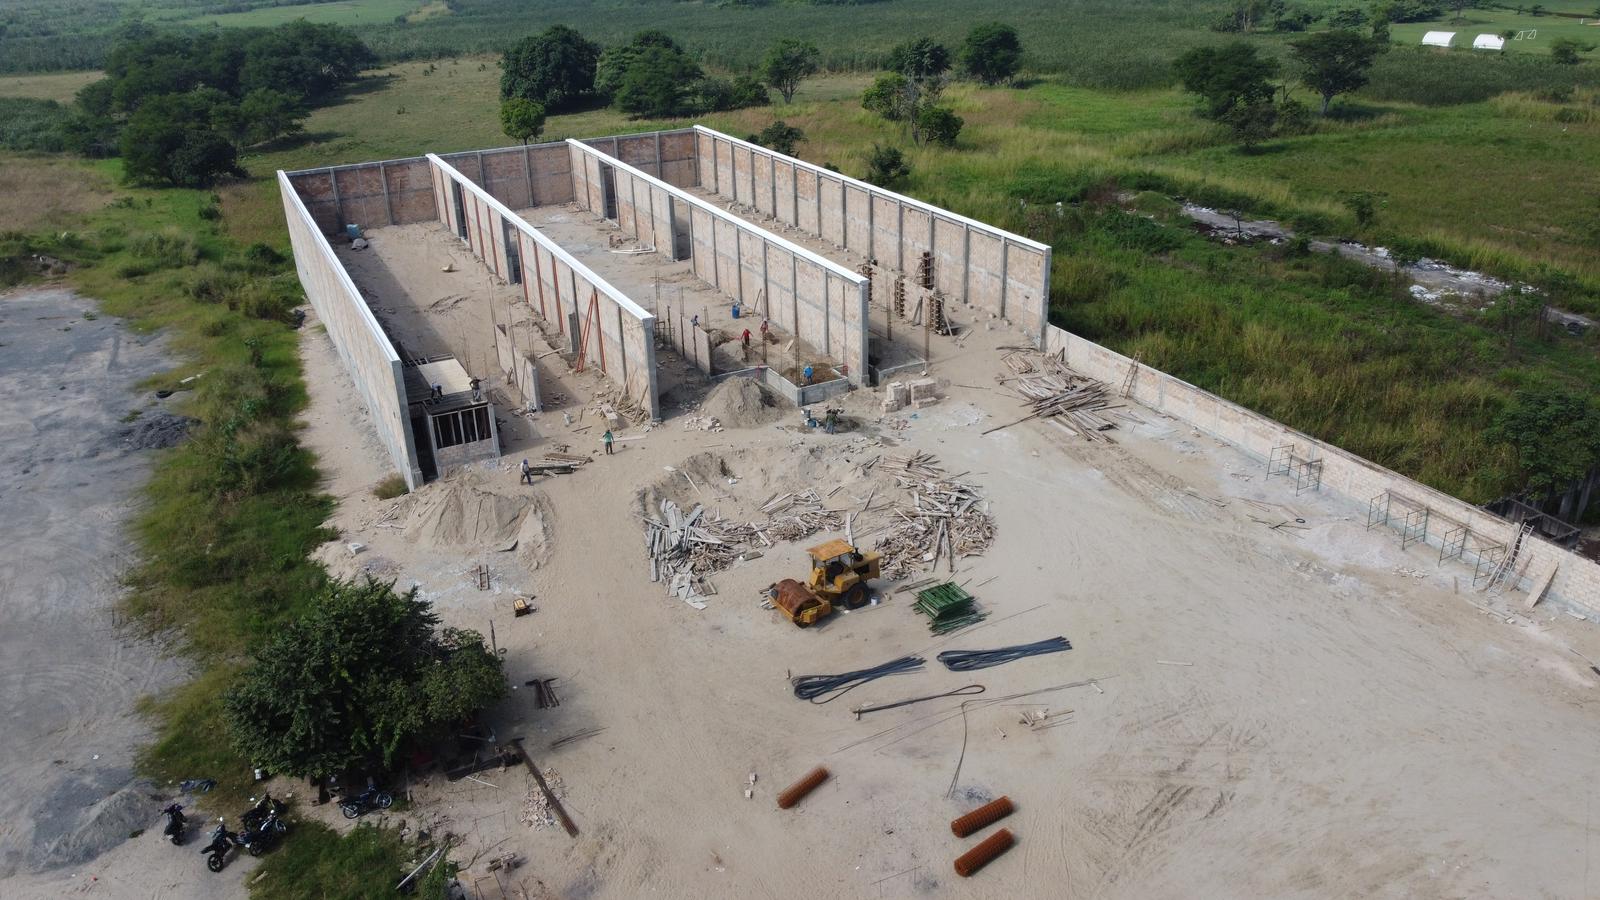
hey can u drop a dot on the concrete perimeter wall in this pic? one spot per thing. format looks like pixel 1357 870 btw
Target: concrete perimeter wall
pixel 1576 581
pixel 368 355
pixel 994 270
pixel 813 298
pixel 391 192
pixel 607 329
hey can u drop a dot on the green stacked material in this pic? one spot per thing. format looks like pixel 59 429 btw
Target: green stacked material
pixel 947 607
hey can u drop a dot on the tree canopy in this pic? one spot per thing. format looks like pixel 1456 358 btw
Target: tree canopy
pixel 1556 434
pixel 521 118
pixel 920 59
pixel 1334 62
pixel 652 76
pixel 555 68
pixel 779 136
pixel 788 63
pixel 992 53
pixel 181 105
pixel 1227 77
pixel 353 681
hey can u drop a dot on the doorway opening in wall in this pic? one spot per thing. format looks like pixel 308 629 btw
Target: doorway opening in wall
pixel 461 210
pixel 682 246
pixel 513 252
pixel 608 190
pixel 424 445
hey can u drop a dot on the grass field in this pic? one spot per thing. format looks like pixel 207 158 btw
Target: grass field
pixel 45 193
pixel 1498 21
pixel 58 86
pixel 340 12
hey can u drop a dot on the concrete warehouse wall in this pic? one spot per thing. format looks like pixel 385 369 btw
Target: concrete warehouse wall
pixel 668 155
pixel 1576 581
pixel 368 355
pixel 994 270
pixel 401 191
pixel 519 177
pixel 811 297
pixel 392 192
pixel 607 329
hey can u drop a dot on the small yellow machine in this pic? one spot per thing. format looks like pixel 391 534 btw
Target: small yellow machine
pixel 839 576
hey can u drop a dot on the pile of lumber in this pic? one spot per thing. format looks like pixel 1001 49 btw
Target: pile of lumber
pixel 683 548
pixel 1071 401
pixel 795 516
pixel 937 518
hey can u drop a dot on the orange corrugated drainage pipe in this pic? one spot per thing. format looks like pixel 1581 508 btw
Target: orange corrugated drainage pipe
pixel 804 786
pixel 985 853
pixel 982 817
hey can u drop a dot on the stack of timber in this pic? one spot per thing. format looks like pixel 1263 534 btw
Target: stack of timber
pixel 939 518
pixel 683 548
pixel 1071 401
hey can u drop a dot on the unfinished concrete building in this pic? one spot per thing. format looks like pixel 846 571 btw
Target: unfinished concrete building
pixel 685 225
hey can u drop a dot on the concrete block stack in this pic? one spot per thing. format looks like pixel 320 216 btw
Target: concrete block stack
pixel 896 396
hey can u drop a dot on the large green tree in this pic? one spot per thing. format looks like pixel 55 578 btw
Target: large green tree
pixel 1233 76
pixel 1334 62
pixel 788 63
pixel 657 82
pixel 992 53
pixel 170 140
pixel 353 681
pixel 612 68
pixel 555 68
pixel 1556 434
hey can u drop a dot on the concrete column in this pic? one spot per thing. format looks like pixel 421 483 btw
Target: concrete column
pixel 383 178
pixel 338 205
pixel 527 169
pixel 1005 247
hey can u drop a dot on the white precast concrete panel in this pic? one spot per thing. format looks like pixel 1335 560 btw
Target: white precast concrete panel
pixel 366 351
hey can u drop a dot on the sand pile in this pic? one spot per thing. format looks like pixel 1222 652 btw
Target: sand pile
pixel 463 515
pixel 741 403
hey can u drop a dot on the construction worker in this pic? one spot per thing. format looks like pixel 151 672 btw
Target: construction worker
pixel 608 439
pixel 765 326
pixel 808 372
pixel 527 473
pixel 694 321
pixel 747 345
pixel 831 423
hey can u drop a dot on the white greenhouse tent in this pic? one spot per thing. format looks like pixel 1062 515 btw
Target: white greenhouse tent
pixel 1488 42
pixel 1438 38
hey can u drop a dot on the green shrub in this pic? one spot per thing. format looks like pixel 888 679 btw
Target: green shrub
pixel 391 487
pixel 169 248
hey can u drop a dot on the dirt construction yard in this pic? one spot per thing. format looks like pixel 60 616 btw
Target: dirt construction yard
pixel 1303 711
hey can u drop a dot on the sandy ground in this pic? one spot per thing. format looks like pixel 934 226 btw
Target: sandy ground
pixel 1275 713
pixel 69 673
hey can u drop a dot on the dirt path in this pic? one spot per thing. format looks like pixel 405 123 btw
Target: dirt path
pixel 69 676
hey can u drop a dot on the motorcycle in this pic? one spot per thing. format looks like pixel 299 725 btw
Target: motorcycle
pixel 365 802
pixel 216 852
pixel 176 823
pixel 261 833
pixel 265 808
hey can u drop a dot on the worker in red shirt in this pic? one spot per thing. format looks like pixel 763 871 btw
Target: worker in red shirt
pixel 747 345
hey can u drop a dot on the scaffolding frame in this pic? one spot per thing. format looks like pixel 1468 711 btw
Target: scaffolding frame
pixel 1306 473
pixel 1454 544
pixel 1378 511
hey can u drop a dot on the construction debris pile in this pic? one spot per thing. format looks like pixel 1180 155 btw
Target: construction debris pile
pixel 940 518
pixel 1071 401
pixel 685 548
pixel 537 812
